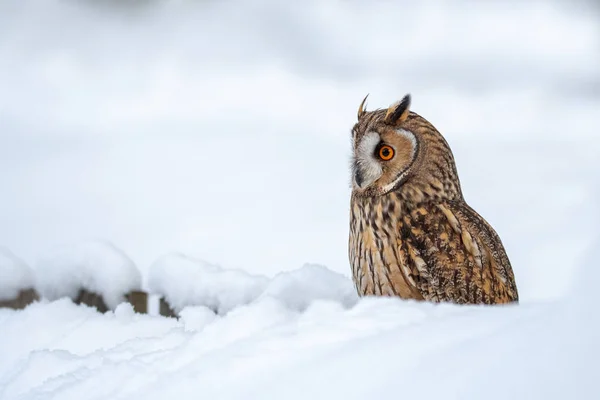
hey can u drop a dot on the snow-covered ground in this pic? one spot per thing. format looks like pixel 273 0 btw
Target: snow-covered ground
pixel 272 349
pixel 220 130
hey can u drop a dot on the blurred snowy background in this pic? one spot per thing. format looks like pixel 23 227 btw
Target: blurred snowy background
pixel 221 130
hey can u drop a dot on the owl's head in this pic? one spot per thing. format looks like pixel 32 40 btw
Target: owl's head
pixel 395 149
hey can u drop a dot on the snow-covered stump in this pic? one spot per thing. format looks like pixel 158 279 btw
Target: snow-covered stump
pixel 16 282
pixel 165 309
pixel 183 281
pixel 94 273
pixel 139 301
pixel 91 299
pixel 23 299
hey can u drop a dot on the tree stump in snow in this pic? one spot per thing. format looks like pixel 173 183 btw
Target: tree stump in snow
pixel 24 298
pixel 91 299
pixel 139 301
pixel 165 309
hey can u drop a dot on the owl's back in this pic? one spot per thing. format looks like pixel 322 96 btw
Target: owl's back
pixel 434 251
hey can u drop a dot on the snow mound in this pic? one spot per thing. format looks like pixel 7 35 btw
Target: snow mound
pixel 195 318
pixel 185 281
pixel 96 266
pixel 298 289
pixel 15 275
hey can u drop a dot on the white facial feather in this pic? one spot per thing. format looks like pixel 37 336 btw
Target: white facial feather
pixel 369 167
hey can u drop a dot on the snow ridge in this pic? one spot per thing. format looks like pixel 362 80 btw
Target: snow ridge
pixel 185 281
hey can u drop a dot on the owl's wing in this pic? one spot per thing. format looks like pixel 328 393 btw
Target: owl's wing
pixel 454 255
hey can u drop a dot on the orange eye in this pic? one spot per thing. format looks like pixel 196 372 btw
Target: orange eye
pixel 386 153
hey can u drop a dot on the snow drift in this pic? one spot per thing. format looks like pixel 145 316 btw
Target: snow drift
pixel 272 349
pixel 304 336
pixel 185 281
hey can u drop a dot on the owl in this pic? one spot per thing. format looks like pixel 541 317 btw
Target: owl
pixel 412 234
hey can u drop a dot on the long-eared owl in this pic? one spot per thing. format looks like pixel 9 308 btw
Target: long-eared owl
pixel 412 234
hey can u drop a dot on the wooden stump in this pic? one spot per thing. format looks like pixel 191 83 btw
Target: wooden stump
pixel 165 309
pixel 139 301
pixel 91 299
pixel 137 298
pixel 23 299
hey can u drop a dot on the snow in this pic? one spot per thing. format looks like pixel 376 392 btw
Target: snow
pixel 222 131
pixel 269 349
pixel 96 266
pixel 15 275
pixel 184 281
pixel 297 289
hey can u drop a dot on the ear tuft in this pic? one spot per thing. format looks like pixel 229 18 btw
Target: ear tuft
pixel 398 112
pixel 361 109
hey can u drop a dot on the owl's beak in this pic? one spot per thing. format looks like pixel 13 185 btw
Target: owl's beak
pixel 365 174
pixel 358 177
pixel 365 168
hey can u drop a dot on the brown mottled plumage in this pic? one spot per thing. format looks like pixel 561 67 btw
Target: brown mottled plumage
pixel 411 232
